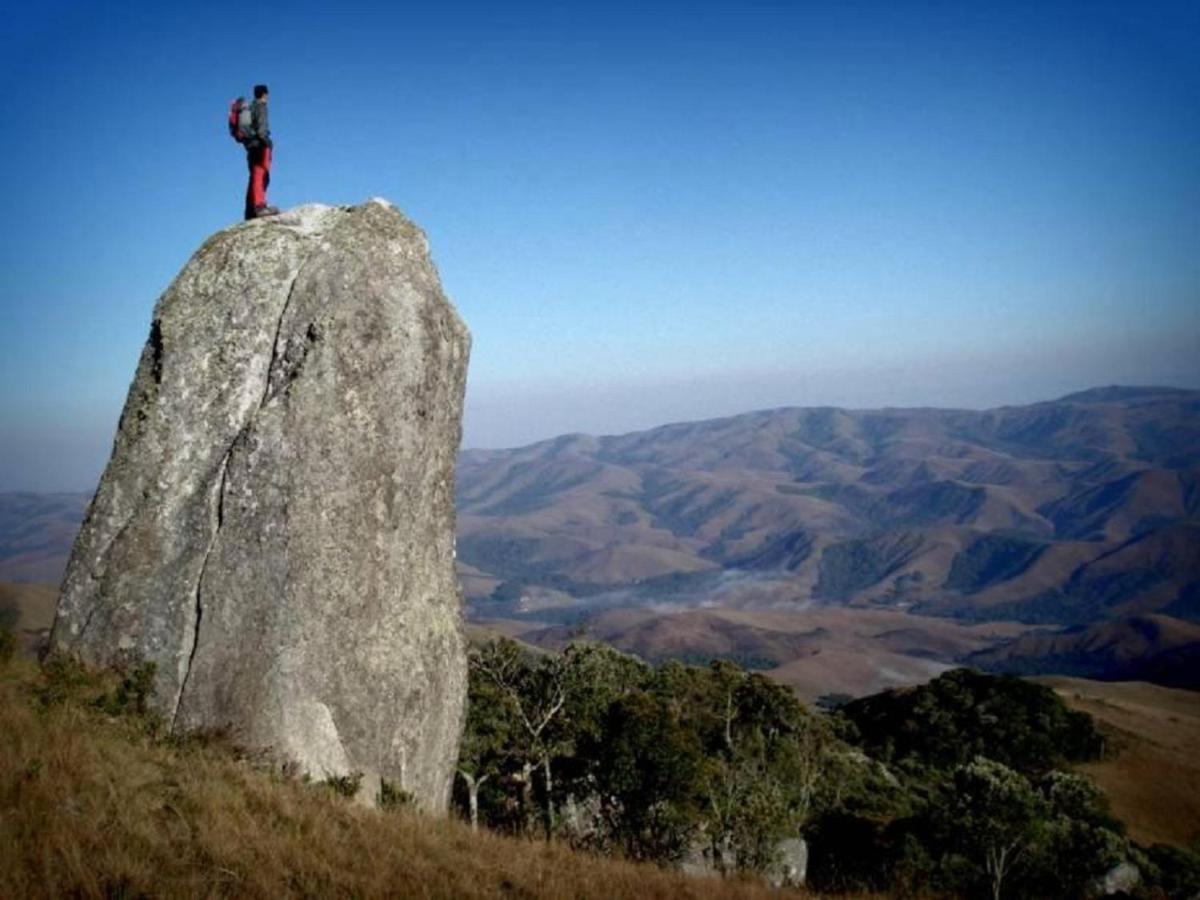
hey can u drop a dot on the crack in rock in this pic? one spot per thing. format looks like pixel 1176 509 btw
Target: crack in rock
pixel 218 517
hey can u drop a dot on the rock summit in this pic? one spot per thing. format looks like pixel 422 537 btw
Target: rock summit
pixel 275 528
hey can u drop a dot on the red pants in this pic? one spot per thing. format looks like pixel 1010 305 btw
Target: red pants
pixel 259 162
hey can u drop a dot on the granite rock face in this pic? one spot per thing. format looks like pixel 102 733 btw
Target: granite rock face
pixel 275 528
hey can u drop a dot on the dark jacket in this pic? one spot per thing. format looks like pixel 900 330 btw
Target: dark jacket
pixel 260 126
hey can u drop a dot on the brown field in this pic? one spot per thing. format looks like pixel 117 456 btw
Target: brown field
pixel 92 806
pixel 1153 780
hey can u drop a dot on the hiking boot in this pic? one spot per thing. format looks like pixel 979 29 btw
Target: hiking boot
pixel 261 211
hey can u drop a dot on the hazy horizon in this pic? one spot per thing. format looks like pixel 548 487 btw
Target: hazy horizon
pixel 81 447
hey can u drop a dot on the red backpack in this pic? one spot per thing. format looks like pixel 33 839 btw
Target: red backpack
pixel 240 120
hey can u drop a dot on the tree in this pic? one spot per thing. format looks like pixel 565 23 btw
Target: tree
pixel 488 739
pixel 535 692
pixel 963 714
pixel 1081 840
pixel 596 677
pixel 764 759
pixel 647 775
pixel 995 815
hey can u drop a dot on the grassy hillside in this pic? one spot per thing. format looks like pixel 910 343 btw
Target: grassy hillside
pixel 93 804
pixel 1153 780
pixel 96 802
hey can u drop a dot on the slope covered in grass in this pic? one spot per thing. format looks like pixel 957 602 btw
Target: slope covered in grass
pixel 1153 778
pixel 94 802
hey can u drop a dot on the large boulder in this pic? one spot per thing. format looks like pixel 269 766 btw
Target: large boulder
pixel 275 528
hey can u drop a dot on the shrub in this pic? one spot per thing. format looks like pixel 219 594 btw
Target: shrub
pixel 63 678
pixel 132 695
pixel 1174 870
pixel 344 785
pixel 847 854
pixel 8 643
pixel 392 796
pixel 10 613
pixel 963 714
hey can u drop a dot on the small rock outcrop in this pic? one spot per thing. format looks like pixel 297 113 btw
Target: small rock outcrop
pixel 275 528
pixel 791 865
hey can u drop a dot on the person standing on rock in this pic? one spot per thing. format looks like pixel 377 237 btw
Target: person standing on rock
pixel 258 156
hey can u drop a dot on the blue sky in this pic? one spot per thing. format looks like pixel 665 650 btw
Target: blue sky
pixel 644 212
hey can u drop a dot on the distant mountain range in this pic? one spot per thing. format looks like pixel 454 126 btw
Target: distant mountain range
pixel 1063 512
pixel 1068 513
pixel 1080 513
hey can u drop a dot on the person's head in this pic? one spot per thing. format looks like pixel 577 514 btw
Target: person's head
pixel 260 92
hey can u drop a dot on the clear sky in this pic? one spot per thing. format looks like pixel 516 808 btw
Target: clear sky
pixel 645 212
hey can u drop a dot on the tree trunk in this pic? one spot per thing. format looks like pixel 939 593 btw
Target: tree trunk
pixel 729 721
pixel 549 796
pixel 527 795
pixel 473 785
pixel 997 866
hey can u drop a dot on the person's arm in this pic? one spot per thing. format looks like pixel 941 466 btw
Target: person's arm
pixel 261 124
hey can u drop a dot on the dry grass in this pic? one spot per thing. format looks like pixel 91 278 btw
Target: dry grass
pixel 33 606
pixel 1153 780
pixel 96 806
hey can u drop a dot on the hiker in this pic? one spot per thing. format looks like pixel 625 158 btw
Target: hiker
pixel 258 156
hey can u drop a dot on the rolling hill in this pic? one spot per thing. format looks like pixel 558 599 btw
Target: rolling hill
pixel 817 652
pixel 1064 512
pixel 1152 648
